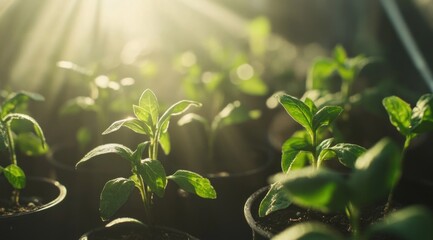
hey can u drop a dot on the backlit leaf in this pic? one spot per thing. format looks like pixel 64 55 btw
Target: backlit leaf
pixel 15 176
pixel 298 110
pixel 153 175
pixel 119 149
pixel 113 196
pixel 194 183
pixel 399 113
pixel 275 199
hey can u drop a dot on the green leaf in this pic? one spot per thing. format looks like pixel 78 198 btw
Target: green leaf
pixel 309 231
pixel 131 123
pixel 113 196
pixel 319 73
pixel 410 223
pixel 399 113
pixel 346 153
pixel 233 113
pixel 194 183
pixel 143 116
pixel 320 189
pixel 275 199
pixel 299 111
pixel 15 99
pixel 291 148
pixel 311 105
pixel 164 141
pixel 422 114
pixel 15 176
pixel 119 149
pixel 376 172
pixel 176 109
pixel 153 175
pixel 340 55
pixel 149 104
pixel 325 116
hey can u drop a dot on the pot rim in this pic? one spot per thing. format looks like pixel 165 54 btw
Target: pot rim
pixel 249 217
pixel 61 195
pixel 123 220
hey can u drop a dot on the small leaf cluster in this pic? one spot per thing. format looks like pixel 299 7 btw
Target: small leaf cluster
pixel 410 122
pixel 318 84
pixel 308 145
pixel 375 174
pixel 147 174
pixel 28 143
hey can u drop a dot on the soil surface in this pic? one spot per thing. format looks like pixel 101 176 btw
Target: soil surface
pixel 7 208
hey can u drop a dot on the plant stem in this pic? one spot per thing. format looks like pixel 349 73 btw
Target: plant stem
pixel 353 215
pixel 388 204
pixel 146 197
pixel 10 139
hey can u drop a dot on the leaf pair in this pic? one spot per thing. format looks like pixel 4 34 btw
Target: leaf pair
pixel 147 120
pixel 324 68
pixel 410 122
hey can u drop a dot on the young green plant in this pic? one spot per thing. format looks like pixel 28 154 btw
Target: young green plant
pixel 320 88
pixel 374 174
pixel 28 144
pixel 308 145
pixel 147 175
pixel 410 122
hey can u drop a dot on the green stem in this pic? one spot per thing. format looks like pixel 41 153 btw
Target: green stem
pixel 388 204
pixel 146 197
pixel 10 139
pixel 315 163
pixel 353 215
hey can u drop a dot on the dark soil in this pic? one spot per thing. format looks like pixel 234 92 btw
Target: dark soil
pixel 7 208
pixel 282 219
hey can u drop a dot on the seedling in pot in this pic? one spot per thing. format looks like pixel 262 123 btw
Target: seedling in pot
pixel 147 174
pixel 409 122
pixel 10 139
pixel 319 85
pixel 308 145
pixel 374 175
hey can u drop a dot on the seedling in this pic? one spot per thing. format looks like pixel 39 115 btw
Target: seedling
pixel 409 122
pixel 12 172
pixel 308 145
pixel 374 175
pixel 233 113
pixel 148 174
pixel 319 86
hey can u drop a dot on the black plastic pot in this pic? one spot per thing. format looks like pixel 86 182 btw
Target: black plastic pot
pixel 44 222
pixel 126 227
pixel 250 212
